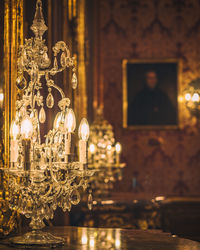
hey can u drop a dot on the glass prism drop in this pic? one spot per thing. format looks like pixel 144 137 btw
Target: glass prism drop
pixel 55 63
pixel 74 81
pixel 63 60
pixel 21 82
pixel 50 101
pixel 90 201
pixel 42 115
pixel 75 197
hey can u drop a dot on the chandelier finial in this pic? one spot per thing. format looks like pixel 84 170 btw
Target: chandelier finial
pixel 39 26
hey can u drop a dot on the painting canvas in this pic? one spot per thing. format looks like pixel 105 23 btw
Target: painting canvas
pixel 150 93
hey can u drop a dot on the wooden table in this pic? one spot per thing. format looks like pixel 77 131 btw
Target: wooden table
pixel 77 238
pixel 177 215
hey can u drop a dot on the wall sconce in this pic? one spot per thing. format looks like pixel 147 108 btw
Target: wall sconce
pixel 192 98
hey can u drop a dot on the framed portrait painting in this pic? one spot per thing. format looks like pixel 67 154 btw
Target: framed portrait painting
pixel 150 93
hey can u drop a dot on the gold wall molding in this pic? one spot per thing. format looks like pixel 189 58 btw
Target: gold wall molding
pixel 81 105
pixel 98 80
pixel 13 38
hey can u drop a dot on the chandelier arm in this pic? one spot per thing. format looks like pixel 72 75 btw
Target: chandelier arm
pixel 47 194
pixel 58 88
pixel 52 174
pixel 61 45
pixel 51 83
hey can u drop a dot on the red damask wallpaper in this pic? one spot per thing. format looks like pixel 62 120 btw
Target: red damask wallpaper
pixel 159 162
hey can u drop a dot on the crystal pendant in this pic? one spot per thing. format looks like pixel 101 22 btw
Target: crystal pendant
pixel 47 212
pixel 60 201
pixel 50 100
pixel 90 201
pixel 74 81
pixel 51 213
pixel 34 75
pixel 63 60
pixel 55 64
pixel 21 82
pixel 42 115
pixel 75 197
pixel 68 205
pixel 54 205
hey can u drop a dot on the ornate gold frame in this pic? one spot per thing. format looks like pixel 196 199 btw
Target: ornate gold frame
pixel 124 91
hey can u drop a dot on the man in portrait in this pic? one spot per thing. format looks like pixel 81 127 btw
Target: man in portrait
pixel 151 106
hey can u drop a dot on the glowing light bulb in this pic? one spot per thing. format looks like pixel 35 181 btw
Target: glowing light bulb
pixel 187 97
pixel 92 243
pixel 57 120
pixel 117 240
pixel 1 97
pixel 195 97
pixel 26 128
pixel 1 100
pixel 83 133
pixel 84 239
pixel 14 130
pixel 109 147
pixel 92 148
pixel 118 148
pixel 70 121
pixel 117 243
pixel 84 130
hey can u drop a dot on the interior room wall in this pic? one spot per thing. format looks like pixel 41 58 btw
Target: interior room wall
pixel 159 162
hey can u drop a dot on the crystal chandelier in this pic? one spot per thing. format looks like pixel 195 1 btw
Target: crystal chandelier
pixel 103 156
pixel 44 175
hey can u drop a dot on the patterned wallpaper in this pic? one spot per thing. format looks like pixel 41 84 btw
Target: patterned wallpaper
pixel 159 162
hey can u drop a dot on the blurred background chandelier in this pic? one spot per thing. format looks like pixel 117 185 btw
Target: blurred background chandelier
pixel 44 175
pixel 103 156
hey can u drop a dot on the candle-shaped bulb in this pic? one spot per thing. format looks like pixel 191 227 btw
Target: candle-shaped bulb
pixel 92 148
pixel 195 97
pixel 84 130
pixel 26 128
pixel 83 133
pixel 14 130
pixel 1 97
pixel 118 148
pixel 57 120
pixel 70 121
pixel 187 97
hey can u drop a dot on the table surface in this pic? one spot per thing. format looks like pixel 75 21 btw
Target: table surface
pixel 77 238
